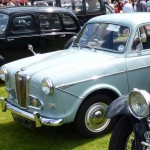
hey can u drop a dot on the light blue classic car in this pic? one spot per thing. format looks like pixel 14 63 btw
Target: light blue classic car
pixel 109 57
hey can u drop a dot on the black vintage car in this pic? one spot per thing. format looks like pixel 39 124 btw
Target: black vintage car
pixel 83 9
pixel 45 28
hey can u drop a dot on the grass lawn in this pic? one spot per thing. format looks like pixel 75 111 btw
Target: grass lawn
pixel 16 137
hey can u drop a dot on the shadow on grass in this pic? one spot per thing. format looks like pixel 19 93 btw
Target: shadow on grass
pixel 16 137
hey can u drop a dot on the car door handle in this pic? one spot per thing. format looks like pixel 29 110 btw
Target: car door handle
pixel 8 39
pixel 62 35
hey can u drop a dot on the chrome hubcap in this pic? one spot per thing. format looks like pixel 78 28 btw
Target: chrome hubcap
pixel 95 119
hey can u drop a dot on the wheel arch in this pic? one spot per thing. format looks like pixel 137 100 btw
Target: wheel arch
pixel 104 91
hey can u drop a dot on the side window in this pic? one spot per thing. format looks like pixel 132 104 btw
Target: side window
pixel 23 25
pixel 137 42
pixel 49 22
pixel 142 38
pixel 68 22
pixel 92 5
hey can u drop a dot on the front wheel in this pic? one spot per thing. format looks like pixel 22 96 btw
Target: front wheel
pixel 122 136
pixel 90 120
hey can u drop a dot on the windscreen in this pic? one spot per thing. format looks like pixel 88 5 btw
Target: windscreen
pixel 104 36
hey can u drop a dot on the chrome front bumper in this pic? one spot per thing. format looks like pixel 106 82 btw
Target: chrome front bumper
pixel 36 117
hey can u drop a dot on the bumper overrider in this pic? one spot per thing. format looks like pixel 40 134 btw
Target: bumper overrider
pixel 36 117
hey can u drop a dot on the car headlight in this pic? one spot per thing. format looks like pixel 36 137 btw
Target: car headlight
pixel 47 86
pixel 139 101
pixel 3 74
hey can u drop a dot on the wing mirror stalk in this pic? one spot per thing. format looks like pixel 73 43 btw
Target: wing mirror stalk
pixel 30 48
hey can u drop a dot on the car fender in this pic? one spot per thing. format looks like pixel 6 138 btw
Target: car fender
pixel 118 107
pixel 97 87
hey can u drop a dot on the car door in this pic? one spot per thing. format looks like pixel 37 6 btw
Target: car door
pixel 22 32
pixel 55 30
pixel 138 62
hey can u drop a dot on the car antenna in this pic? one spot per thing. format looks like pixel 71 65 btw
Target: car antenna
pixel 30 48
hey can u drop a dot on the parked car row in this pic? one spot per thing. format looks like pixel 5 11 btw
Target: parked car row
pixel 45 28
pixel 109 57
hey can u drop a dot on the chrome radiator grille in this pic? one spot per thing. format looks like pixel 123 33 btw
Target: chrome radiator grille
pixel 22 90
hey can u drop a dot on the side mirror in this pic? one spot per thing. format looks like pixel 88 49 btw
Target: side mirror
pixel 30 48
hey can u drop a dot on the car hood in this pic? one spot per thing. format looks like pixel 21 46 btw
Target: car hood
pixel 65 66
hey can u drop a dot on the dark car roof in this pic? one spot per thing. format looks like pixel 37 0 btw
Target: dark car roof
pixel 10 10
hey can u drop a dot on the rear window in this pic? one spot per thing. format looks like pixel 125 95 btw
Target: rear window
pixel 49 22
pixel 68 22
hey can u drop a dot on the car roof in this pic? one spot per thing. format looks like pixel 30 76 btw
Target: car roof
pixel 11 10
pixel 128 19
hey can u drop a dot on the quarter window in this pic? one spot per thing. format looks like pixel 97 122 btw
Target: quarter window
pixel 142 38
pixel 23 24
pixel 49 22
pixel 68 22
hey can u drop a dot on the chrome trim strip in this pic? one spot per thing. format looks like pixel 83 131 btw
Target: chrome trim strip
pixel 35 107
pixel 69 93
pixel 36 117
pixel 22 36
pixel 138 68
pixel 63 86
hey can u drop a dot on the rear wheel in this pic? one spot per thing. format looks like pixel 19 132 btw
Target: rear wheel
pixel 90 120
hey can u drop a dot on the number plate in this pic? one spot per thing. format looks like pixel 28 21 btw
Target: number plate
pixel 23 121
